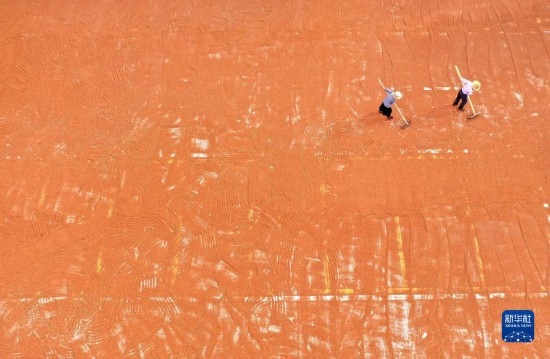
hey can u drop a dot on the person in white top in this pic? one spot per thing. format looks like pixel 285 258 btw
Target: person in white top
pixel 468 88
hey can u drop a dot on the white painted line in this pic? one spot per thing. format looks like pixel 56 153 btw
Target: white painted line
pixel 308 298
pixel 432 151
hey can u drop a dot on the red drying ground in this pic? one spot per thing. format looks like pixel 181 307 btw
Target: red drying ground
pixel 213 178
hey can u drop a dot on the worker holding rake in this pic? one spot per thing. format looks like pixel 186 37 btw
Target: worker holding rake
pixel 389 100
pixel 468 88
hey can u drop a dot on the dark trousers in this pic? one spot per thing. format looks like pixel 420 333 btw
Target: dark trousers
pixel 461 96
pixel 385 110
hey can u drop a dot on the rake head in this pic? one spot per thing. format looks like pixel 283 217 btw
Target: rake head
pixel 473 116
